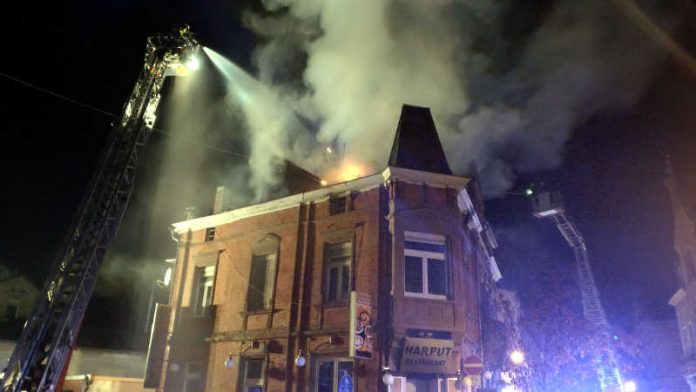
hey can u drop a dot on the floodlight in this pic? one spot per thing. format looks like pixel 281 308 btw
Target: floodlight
pixel 193 64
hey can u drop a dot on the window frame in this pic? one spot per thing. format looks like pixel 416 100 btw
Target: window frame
pixel 189 376
pixel 245 382
pixel 425 257
pixel 338 255
pixel 338 204
pixel 205 278
pixel 17 304
pixel 210 234
pixel 335 377
pixel 269 282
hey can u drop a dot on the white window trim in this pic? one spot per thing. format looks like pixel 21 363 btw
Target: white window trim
pixel 424 256
pixel 424 237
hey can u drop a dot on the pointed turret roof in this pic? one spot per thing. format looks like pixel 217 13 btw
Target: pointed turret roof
pixel 416 144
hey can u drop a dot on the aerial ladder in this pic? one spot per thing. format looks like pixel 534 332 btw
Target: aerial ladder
pixel 40 358
pixel 549 205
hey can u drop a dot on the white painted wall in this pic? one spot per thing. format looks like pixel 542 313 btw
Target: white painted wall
pixel 94 361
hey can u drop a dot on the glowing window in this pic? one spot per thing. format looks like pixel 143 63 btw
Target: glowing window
pixel 334 375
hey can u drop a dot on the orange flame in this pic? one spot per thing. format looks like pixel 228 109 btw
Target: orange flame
pixel 348 170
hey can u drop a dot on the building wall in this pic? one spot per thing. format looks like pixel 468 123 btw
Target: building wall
pixel 660 343
pixel 432 210
pixel 377 221
pixel 17 296
pixel 111 370
pixel 93 383
pixel 302 233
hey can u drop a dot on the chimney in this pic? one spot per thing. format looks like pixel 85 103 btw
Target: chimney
pixel 190 213
pixel 222 200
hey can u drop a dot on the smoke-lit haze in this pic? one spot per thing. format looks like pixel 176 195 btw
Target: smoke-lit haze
pixel 506 82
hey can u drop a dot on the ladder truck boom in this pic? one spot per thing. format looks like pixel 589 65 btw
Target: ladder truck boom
pixel 41 356
pixel 549 205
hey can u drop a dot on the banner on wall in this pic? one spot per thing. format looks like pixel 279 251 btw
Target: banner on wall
pixel 361 337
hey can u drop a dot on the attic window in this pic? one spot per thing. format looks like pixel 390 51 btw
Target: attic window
pixel 210 234
pixel 337 205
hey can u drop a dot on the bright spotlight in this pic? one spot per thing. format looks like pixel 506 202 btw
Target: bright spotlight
pixel 630 386
pixel 193 64
pixel 517 357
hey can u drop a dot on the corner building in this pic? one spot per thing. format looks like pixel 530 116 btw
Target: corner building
pixel 379 272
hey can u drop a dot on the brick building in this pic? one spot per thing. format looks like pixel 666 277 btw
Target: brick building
pixel 323 290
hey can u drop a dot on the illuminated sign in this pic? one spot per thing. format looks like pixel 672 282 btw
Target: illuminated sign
pixel 428 356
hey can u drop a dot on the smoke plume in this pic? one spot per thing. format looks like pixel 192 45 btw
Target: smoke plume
pixel 507 82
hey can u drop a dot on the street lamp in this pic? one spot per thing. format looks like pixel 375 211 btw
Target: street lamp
pixel 487 376
pixel 630 386
pixel 300 359
pixel 517 357
pixel 387 378
pixel 460 381
pixel 229 362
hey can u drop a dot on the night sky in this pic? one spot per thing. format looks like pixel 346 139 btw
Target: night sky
pixel 613 173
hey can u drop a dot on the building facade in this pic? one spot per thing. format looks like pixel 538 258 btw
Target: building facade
pixel 684 299
pixel 17 296
pixel 344 288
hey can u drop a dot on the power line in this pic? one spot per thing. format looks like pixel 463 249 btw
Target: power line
pixel 112 115
pixel 115 116
pixel 57 95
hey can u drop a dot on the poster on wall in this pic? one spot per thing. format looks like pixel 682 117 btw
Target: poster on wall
pixel 361 338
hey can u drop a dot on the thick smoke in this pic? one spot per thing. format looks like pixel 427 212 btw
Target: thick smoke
pixel 275 133
pixel 507 82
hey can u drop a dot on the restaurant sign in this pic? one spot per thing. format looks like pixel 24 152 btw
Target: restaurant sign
pixel 428 356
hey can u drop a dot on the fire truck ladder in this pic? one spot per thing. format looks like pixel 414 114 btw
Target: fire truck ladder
pixel 550 205
pixel 41 356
